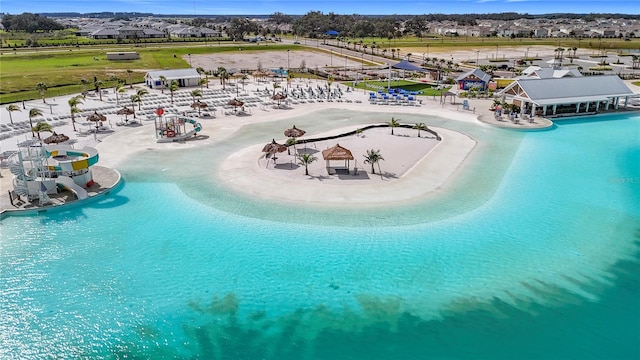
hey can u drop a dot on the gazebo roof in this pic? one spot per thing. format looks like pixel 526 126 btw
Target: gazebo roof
pixel 337 153
pixel 406 65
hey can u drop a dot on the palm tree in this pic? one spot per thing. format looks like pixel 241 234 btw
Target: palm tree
pixel 73 107
pixel 42 126
pixel 42 89
pixel 373 157
pixel 223 75
pixel 393 124
pixel 195 93
pixel 33 113
pixel 98 85
pixel 130 74
pixel 119 89
pixel 290 142
pixel 135 98
pixel 203 81
pixel 140 93
pixel 11 108
pixel 420 126
pixel 84 82
pixel 275 86
pixel 306 159
pixel 173 87
pixel 163 81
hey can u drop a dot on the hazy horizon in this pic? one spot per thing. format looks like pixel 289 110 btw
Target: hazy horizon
pixel 295 7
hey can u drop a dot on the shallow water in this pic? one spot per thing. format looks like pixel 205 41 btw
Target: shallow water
pixel 532 252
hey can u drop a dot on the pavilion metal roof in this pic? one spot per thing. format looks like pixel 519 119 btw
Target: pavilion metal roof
pixel 568 90
pixel 173 74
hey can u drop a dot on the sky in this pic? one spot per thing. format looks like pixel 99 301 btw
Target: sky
pixel 301 7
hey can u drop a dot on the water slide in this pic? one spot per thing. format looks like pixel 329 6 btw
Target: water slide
pixel 70 159
pixel 70 185
pixel 197 128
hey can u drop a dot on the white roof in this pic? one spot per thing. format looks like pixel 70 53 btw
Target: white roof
pixel 173 74
pixel 568 90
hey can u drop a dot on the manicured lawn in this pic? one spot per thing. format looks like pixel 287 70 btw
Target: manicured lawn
pixel 63 70
pixel 425 88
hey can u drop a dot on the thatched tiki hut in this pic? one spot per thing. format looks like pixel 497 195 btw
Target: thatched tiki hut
pixel 337 153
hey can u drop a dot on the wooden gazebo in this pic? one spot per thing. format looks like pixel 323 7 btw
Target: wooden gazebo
pixel 337 153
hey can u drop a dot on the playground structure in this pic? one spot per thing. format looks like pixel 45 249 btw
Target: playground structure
pixel 171 128
pixel 41 170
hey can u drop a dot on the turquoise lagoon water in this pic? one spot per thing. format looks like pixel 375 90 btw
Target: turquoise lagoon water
pixel 532 252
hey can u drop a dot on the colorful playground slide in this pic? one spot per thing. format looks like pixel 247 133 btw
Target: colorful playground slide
pixel 70 159
pixel 168 137
pixel 69 184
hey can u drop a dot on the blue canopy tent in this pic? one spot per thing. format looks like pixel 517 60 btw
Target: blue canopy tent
pixel 403 65
pixel 332 33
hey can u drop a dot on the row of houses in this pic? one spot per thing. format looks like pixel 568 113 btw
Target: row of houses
pixel 118 30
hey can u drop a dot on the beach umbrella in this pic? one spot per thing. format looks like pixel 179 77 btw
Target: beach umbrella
pixel 125 111
pixel 272 148
pixel 96 118
pixel 235 103
pixel 199 105
pixel 294 133
pixel 56 138
pixel 279 97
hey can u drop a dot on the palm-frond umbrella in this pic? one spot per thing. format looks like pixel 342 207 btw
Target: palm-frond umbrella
pixel 235 103
pixel 294 133
pixel 56 138
pixel 125 111
pixel 272 148
pixel 96 118
pixel 199 105
pixel 279 97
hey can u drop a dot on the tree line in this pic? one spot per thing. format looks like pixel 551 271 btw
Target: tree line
pixel 30 23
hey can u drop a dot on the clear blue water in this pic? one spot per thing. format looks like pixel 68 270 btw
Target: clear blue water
pixel 531 253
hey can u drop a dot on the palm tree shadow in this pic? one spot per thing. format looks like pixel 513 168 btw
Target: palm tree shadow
pixel 307 150
pixel 286 166
pixel 319 177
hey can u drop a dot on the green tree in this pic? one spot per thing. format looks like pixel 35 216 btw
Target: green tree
pixel 393 124
pixel 163 81
pixel 419 127
pixel 141 92
pixel 11 108
pixel 42 89
pixel 223 75
pixel 202 82
pixel 130 75
pixel 33 113
pixel 73 108
pixel 135 98
pixel 98 84
pixel 119 89
pixel 306 159
pixel 84 82
pixel 173 87
pixel 40 127
pixel 196 93
pixel 373 157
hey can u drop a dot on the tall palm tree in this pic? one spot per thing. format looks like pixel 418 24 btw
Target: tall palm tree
pixel 275 86
pixel 373 157
pixel 306 159
pixel 223 75
pixel 73 107
pixel 196 93
pixel 202 82
pixel 84 82
pixel 33 113
pixel 11 108
pixel 393 124
pixel 163 81
pixel 42 89
pixel 141 92
pixel 420 126
pixel 130 75
pixel 173 87
pixel 119 89
pixel 135 98
pixel 42 126
pixel 98 84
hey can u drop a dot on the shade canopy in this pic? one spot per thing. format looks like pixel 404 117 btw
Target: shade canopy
pixel 294 132
pixel 56 138
pixel 332 32
pixel 406 65
pixel 337 153
pixel 95 117
pixel 125 111
pixel 235 102
pixel 279 97
pixel 273 147
pixel 199 104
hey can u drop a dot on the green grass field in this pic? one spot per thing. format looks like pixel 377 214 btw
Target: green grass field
pixel 62 71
